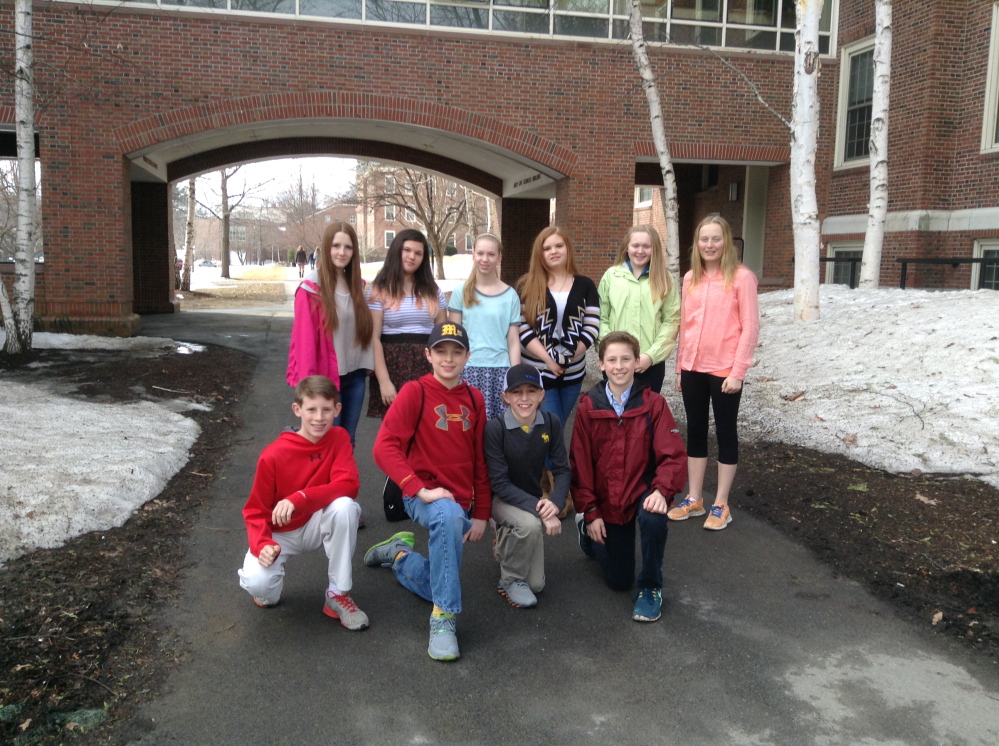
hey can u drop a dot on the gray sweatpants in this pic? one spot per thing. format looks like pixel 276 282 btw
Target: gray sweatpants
pixel 520 545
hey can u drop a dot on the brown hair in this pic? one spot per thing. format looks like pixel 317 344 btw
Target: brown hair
pixel 352 274
pixel 729 260
pixel 621 338
pixel 468 297
pixel 533 286
pixel 659 279
pixel 316 386
pixel 389 284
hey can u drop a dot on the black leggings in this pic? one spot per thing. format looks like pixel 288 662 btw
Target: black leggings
pixel 698 389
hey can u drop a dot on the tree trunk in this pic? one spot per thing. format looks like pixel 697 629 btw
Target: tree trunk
pixel 225 224
pixel 870 268
pixel 189 238
pixel 670 205
pixel 804 136
pixel 19 309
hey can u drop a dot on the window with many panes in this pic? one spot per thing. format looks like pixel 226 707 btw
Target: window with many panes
pixel 856 98
pixel 985 276
pixel 841 271
pixel 390 212
pixel 643 196
pixel 389 235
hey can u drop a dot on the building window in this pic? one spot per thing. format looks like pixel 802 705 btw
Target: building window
pixel 643 196
pixel 390 212
pixel 468 242
pixel 985 276
pixel 389 185
pixel 353 219
pixel 329 218
pixel 389 235
pixel 856 99
pixel 410 216
pixel 990 126
pixel 841 271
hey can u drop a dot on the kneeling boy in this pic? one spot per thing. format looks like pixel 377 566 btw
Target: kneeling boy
pixel 430 444
pixel 628 463
pixel 517 444
pixel 303 498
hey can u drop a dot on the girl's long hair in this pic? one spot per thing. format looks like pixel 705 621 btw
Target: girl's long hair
pixel 659 279
pixel 533 286
pixel 729 260
pixel 352 274
pixel 389 284
pixel 468 296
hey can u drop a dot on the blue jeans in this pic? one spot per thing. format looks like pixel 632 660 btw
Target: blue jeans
pixel 617 555
pixel 351 398
pixel 560 402
pixel 436 579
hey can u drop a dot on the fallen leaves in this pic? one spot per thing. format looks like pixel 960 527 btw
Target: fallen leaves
pixel 850 439
pixel 937 618
pixel 765 379
pixel 796 396
pixel 928 500
pixel 862 487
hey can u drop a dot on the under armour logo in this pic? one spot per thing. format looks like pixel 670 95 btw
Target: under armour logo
pixel 446 417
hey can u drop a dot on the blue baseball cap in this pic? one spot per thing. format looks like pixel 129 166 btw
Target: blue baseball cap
pixel 522 374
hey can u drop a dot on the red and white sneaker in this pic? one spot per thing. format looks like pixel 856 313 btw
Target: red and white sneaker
pixel 341 606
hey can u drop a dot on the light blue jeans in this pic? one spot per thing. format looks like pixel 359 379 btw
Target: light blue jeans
pixel 436 579
pixel 560 402
pixel 351 399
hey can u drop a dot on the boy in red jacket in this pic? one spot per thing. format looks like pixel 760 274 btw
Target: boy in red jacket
pixel 628 462
pixel 430 444
pixel 303 498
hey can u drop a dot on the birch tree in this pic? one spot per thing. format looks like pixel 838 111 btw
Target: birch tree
pixel 670 205
pixel 877 210
pixel 189 236
pixel 804 138
pixel 18 309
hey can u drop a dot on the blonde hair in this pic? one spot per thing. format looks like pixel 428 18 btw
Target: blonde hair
pixel 729 260
pixel 659 278
pixel 468 296
pixel 533 285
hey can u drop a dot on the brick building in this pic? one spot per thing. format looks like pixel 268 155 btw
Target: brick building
pixel 523 103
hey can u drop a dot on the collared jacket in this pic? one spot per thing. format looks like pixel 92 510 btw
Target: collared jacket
pixel 310 350
pixel 626 305
pixel 616 461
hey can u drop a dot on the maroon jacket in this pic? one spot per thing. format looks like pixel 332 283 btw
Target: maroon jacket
pixel 613 466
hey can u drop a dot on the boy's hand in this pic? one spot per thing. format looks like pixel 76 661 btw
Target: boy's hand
pixel 553 526
pixel 656 503
pixel 282 512
pixel 596 531
pixel 731 385
pixel 477 530
pixel 438 493
pixel 547 509
pixel 268 554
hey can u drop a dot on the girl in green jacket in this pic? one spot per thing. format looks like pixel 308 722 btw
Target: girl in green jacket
pixel 638 296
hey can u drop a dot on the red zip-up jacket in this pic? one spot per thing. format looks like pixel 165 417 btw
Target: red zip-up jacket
pixel 311 475
pixel 447 451
pixel 610 456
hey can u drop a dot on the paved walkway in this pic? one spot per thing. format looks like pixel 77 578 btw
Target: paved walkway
pixel 758 643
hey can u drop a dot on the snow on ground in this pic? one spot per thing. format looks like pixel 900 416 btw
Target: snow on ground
pixel 896 379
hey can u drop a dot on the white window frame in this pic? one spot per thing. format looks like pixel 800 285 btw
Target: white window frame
pixel 833 248
pixel 981 246
pixel 390 213
pixel 389 237
pixel 353 219
pixel 468 242
pixel 639 202
pixel 847 53
pixel 990 128
pixel 410 216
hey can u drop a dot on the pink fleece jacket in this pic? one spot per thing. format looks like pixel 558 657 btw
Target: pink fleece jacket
pixel 719 328
pixel 310 351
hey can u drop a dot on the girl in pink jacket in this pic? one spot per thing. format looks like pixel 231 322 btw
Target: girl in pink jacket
pixel 719 329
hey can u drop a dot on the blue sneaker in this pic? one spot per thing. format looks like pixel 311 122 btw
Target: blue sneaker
pixel 384 553
pixel 648 605
pixel 443 640
pixel 585 543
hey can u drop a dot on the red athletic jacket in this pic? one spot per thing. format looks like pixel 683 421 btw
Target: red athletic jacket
pixel 610 456
pixel 311 475
pixel 447 451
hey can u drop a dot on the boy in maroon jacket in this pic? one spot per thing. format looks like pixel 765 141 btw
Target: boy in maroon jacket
pixel 430 444
pixel 628 462
pixel 303 498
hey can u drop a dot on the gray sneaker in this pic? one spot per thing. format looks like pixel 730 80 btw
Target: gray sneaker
pixel 443 640
pixel 517 593
pixel 384 553
pixel 341 606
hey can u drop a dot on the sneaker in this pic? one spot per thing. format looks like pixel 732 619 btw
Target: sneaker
pixel 263 603
pixel 585 543
pixel 384 553
pixel 648 605
pixel 443 640
pixel 720 517
pixel 517 593
pixel 685 509
pixel 341 606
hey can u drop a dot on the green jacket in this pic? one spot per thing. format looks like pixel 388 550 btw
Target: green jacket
pixel 626 305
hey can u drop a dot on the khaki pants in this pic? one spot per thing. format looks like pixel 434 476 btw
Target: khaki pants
pixel 519 545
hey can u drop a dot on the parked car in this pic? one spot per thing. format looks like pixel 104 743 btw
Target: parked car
pixel 207 263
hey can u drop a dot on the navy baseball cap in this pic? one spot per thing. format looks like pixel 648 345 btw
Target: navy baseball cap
pixel 518 375
pixel 448 331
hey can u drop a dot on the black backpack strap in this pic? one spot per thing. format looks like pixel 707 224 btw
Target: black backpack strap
pixel 423 401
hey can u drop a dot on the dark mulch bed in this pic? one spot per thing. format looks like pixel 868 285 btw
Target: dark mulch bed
pixel 78 625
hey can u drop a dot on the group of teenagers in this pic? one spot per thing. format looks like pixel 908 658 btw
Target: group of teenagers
pixel 474 394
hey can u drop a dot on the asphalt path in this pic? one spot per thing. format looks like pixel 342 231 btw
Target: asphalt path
pixel 758 642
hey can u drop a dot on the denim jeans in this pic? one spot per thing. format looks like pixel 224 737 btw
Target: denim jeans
pixel 617 556
pixel 351 399
pixel 560 402
pixel 436 579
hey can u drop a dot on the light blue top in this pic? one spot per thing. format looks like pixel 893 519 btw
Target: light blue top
pixel 488 322
pixel 618 405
